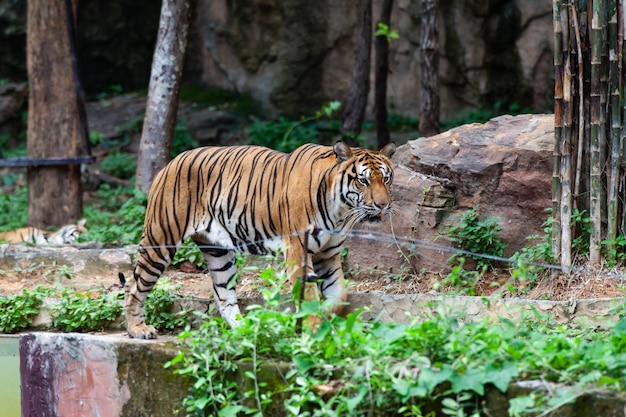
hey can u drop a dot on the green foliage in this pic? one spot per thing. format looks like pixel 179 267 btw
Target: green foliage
pixel 354 367
pixel 482 115
pixel 119 164
pixel 111 91
pixel 286 135
pixel 402 123
pixel 614 251
pixel 159 307
pixel 461 279
pixel 190 252
pixel 182 139
pixel 384 30
pixel 9 151
pixel 84 312
pixel 123 227
pixel 14 206
pixel 273 134
pixel 219 99
pixel 478 238
pixel 532 259
pixel 17 311
pixel 581 222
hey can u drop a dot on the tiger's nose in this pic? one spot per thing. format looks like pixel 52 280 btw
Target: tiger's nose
pixel 381 207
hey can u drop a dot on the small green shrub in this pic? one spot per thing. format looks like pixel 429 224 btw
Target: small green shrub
pixel 286 135
pixel 123 227
pixel 182 139
pixel 13 207
pixel 461 279
pixel 119 164
pixel 17 311
pixel 159 307
pixel 614 251
pixel 189 251
pixel 477 238
pixel 273 134
pixel 84 312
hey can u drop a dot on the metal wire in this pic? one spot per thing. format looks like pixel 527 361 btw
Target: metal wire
pixel 416 247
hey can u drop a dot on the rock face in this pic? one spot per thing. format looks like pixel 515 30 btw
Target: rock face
pixel 503 167
pixel 292 56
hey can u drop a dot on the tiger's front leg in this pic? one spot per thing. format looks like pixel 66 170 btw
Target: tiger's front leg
pixel 332 282
pixel 294 252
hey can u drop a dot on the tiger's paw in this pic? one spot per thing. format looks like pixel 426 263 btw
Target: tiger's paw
pixel 142 331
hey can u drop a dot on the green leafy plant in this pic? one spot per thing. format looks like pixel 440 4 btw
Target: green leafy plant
pixel 83 312
pixel 13 208
pixel 478 238
pixel 352 367
pixel 286 135
pixel 189 252
pixel 17 311
pixel 122 227
pixel 182 139
pixel 461 279
pixel 119 164
pixel 580 220
pixel 383 30
pixel 614 251
pixel 159 307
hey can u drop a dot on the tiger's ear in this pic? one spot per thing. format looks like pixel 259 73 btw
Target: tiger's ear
pixel 81 222
pixel 388 150
pixel 342 151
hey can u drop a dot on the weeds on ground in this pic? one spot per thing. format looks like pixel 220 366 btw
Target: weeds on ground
pixel 352 367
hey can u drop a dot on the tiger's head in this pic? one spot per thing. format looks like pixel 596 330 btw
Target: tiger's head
pixel 67 234
pixel 366 178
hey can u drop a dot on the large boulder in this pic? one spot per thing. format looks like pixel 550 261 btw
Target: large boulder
pixel 503 167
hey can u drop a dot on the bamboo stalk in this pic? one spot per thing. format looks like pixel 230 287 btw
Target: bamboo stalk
pixel 616 124
pixel 558 127
pixel 596 134
pixel 565 145
pixel 581 108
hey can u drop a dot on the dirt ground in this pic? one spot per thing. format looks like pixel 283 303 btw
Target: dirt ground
pixel 190 281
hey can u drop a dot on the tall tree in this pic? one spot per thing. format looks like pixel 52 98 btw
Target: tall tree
pixel 353 111
pixel 54 192
pixel 429 69
pixel 164 91
pixel 382 69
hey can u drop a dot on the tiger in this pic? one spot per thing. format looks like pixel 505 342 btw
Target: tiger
pixel 66 235
pixel 256 200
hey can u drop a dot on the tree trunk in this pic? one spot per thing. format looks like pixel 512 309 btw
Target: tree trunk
pixel 429 70
pixel 54 192
pixel 163 93
pixel 354 106
pixel 382 68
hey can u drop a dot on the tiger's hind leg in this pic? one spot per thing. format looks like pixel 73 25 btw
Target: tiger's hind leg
pixel 148 268
pixel 223 268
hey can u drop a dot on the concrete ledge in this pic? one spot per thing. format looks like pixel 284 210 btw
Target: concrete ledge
pixel 113 376
pixel 87 375
pixel 400 308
